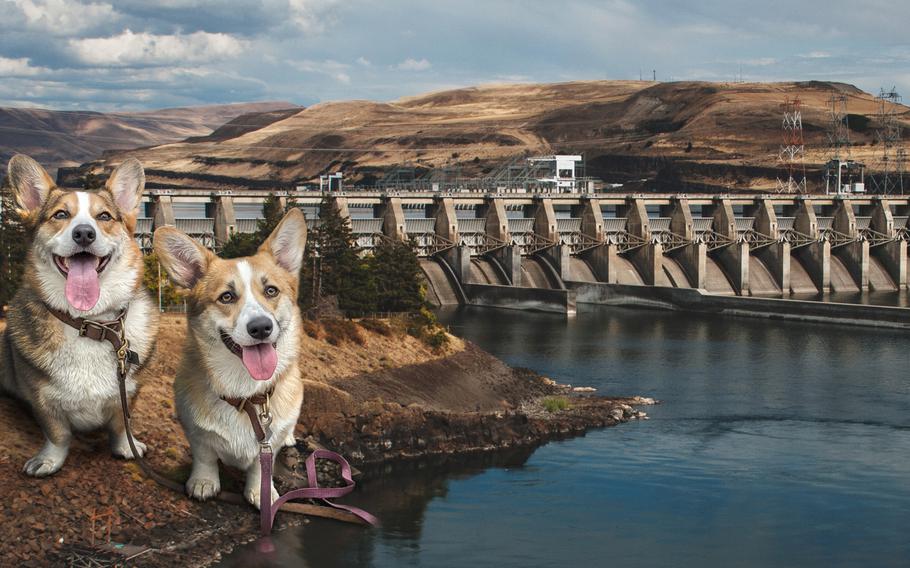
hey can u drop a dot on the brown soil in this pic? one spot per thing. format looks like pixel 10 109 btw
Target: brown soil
pixel 392 397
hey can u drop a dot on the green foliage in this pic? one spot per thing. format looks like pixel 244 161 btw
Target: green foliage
pixel 396 273
pixel 245 244
pixel 13 244
pixel 150 278
pixel 333 266
pixel 424 326
pixel 240 244
pixel 556 403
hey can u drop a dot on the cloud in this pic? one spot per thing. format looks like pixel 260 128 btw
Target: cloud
pixel 411 64
pixel 329 67
pixel 19 67
pixel 57 17
pixel 817 55
pixel 145 49
pixel 363 61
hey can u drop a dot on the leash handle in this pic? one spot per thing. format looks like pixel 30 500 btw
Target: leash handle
pixel 268 510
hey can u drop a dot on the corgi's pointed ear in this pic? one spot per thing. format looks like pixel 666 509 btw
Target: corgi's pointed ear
pixel 184 260
pixel 126 184
pixel 30 182
pixel 287 241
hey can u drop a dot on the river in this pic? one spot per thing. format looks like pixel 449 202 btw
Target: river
pixel 777 444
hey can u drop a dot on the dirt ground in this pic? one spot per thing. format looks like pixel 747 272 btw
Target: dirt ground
pixel 391 397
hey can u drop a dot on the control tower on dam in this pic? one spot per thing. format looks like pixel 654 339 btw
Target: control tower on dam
pixel 549 251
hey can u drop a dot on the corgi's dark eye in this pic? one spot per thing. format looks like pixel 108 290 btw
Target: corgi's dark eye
pixel 60 215
pixel 271 291
pixel 104 216
pixel 227 298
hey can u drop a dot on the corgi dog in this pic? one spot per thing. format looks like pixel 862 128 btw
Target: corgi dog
pixel 243 341
pixel 83 263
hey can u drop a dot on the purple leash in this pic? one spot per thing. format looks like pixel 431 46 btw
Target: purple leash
pixel 268 510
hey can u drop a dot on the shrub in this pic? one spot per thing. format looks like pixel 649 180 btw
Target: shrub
pixel 376 326
pixel 338 331
pixel 556 403
pixel 312 328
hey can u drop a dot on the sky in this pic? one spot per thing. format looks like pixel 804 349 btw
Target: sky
pixel 146 54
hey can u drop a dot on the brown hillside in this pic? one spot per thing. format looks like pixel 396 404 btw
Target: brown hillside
pixel 69 138
pixel 715 133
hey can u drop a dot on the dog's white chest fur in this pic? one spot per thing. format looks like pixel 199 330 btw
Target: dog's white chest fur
pixel 228 431
pixel 83 371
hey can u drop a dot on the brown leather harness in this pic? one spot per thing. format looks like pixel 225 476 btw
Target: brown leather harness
pixel 114 332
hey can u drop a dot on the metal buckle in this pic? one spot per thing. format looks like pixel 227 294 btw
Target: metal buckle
pixel 83 329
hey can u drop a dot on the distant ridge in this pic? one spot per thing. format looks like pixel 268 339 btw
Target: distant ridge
pixel 69 138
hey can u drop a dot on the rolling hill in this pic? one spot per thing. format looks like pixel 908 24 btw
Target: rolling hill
pixel 686 134
pixel 69 138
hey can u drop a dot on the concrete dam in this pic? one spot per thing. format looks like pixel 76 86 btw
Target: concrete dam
pixel 552 251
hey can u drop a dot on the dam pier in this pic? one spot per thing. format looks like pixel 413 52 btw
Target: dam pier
pixel 552 251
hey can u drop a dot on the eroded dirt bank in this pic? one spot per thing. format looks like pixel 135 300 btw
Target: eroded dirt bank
pixel 379 396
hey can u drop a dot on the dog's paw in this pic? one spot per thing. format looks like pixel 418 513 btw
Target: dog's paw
pixel 290 441
pixel 121 448
pixel 46 462
pixel 252 495
pixel 202 489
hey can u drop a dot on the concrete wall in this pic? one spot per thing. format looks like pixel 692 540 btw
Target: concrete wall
pixel 517 298
pixel 692 300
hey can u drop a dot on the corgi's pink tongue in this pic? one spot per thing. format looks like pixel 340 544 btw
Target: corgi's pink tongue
pixel 260 360
pixel 82 288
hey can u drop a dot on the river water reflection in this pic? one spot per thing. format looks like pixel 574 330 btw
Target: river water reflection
pixel 778 444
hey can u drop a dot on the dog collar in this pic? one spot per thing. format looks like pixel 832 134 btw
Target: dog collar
pixel 112 331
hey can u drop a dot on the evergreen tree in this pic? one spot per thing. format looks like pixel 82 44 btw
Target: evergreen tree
pixel 150 277
pixel 240 244
pixel 13 244
pixel 245 244
pixel 333 265
pixel 396 271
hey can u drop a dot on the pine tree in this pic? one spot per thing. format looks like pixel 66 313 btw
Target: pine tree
pixel 245 244
pixel 397 274
pixel 333 265
pixel 13 247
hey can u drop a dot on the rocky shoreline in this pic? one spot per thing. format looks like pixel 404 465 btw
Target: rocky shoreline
pixel 384 401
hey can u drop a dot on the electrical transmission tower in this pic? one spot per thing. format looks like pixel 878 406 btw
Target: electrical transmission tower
pixel 891 167
pixel 838 131
pixel 792 148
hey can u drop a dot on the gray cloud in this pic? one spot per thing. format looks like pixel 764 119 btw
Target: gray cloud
pixel 95 54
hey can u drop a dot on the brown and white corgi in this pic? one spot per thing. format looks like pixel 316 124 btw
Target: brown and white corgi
pixel 83 262
pixel 243 342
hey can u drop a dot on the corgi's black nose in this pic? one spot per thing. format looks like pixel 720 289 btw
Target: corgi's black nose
pixel 83 235
pixel 259 327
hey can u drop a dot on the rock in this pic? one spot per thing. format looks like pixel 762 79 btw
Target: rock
pixel 584 389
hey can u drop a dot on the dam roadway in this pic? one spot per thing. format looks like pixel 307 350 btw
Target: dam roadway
pixel 552 251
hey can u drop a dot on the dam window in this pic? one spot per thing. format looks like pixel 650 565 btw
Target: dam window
pixel 653 211
pixel 562 211
pixel 466 213
pixel 608 211
pixel 191 210
pixel 248 210
pixel 361 211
